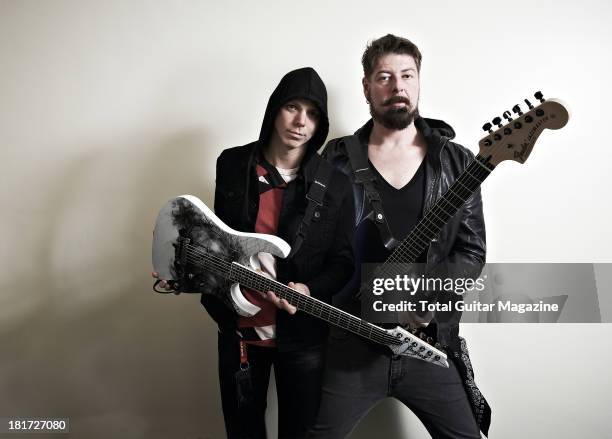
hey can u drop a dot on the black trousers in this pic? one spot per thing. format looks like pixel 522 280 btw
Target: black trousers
pixel 359 374
pixel 298 377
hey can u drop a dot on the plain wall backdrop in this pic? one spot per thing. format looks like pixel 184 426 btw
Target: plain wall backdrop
pixel 109 108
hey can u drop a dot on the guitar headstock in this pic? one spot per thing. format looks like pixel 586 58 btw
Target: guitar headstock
pixel 516 139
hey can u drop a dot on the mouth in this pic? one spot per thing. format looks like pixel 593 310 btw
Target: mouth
pixel 397 102
pixel 296 134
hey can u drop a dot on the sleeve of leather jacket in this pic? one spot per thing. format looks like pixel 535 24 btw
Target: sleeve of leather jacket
pixel 466 258
pixel 469 249
pixel 340 259
pixel 221 314
pixel 465 261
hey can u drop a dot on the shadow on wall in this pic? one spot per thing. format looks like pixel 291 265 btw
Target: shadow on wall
pixel 84 337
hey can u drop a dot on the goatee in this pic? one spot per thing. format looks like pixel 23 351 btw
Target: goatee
pixel 395 118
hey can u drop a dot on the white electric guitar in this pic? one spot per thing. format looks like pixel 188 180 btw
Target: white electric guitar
pixel 196 252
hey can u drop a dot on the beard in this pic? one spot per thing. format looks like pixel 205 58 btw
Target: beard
pixel 394 118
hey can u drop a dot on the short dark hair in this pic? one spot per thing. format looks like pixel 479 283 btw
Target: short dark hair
pixel 385 45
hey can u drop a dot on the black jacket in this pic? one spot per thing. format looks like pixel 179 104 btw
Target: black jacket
pixel 460 248
pixel 325 260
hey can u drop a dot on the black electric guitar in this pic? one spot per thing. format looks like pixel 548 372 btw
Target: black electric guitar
pixel 196 252
pixel 512 141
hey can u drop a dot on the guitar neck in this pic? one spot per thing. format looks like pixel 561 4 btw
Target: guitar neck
pixel 441 212
pixel 258 282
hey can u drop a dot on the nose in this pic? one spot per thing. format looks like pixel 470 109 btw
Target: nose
pixel 300 118
pixel 398 86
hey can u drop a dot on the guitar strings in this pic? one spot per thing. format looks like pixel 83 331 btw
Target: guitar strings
pixel 482 167
pixel 413 245
pixel 341 318
pixel 439 212
pixel 306 303
pixel 313 306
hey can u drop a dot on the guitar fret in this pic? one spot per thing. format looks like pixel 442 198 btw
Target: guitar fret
pixel 477 161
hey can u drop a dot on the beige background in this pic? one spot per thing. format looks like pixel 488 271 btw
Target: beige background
pixel 110 108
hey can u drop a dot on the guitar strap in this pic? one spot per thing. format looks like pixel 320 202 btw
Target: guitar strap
pixel 244 384
pixel 363 175
pixel 315 196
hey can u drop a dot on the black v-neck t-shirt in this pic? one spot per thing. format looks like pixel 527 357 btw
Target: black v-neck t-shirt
pixel 403 207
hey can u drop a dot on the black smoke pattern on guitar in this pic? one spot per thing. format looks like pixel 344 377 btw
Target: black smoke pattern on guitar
pixel 203 234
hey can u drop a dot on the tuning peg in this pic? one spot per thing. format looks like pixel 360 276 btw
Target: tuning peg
pixel 529 104
pixel 507 115
pixel 539 95
pixel 517 110
pixel 487 127
pixel 497 121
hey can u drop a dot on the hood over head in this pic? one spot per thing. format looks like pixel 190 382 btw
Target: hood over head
pixel 302 83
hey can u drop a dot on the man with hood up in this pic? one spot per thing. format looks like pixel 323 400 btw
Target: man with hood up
pixel 267 186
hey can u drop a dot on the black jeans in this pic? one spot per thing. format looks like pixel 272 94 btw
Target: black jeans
pixel 298 386
pixel 359 374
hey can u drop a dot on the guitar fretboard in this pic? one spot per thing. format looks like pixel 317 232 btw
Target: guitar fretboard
pixel 437 216
pixel 256 281
pixel 253 280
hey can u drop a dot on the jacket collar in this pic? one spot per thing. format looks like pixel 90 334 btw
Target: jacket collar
pixel 436 133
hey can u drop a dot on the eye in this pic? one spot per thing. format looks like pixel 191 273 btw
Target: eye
pixel 291 107
pixel 408 76
pixel 314 114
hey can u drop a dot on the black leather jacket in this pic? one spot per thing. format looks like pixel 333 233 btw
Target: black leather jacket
pixel 460 247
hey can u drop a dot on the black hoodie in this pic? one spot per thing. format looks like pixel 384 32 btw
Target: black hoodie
pixel 325 260
pixel 302 83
